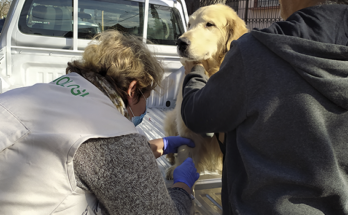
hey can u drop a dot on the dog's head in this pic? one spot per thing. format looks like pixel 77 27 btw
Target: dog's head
pixel 211 30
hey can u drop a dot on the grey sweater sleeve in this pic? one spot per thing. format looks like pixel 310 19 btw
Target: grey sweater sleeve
pixel 123 174
pixel 217 104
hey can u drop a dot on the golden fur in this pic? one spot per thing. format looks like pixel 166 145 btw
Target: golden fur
pixel 211 30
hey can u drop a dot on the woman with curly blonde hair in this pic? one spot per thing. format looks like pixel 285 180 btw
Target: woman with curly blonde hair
pixel 123 61
pixel 73 147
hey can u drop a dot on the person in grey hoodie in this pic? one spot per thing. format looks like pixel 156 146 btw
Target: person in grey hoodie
pixel 281 97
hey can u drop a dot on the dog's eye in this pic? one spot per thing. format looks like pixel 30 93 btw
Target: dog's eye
pixel 209 24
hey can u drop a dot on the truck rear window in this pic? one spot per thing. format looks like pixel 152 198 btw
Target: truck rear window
pixel 55 18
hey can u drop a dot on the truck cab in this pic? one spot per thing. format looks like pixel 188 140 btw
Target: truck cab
pixel 40 37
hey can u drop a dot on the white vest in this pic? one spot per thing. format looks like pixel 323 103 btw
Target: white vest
pixel 41 128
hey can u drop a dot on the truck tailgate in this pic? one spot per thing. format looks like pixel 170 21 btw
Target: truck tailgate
pixel 207 189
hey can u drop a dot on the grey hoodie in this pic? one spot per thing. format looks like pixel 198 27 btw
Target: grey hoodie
pixel 281 96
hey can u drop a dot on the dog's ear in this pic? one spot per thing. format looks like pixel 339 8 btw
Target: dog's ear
pixel 235 28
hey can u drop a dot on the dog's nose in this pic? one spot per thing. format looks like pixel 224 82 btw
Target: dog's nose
pixel 183 43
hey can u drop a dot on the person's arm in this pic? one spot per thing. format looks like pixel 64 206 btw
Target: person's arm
pixel 217 104
pixel 156 146
pixel 124 176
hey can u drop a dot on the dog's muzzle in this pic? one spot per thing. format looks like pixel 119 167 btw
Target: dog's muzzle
pixel 183 44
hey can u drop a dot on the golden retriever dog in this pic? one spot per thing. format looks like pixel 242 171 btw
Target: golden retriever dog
pixel 211 30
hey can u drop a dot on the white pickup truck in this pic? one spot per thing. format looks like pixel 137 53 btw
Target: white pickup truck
pixel 39 37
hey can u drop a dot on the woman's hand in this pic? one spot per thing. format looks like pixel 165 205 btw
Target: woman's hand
pixel 185 175
pixel 172 143
pixel 156 146
pixel 169 144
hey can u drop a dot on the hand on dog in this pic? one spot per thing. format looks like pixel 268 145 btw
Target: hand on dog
pixel 172 143
pixel 186 173
pixel 189 65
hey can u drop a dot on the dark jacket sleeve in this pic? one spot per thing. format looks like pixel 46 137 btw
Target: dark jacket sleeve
pixel 123 174
pixel 217 104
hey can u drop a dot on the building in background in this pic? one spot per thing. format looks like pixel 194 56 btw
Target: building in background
pixel 256 13
pixel 192 6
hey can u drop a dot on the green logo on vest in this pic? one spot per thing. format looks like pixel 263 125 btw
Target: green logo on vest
pixel 67 82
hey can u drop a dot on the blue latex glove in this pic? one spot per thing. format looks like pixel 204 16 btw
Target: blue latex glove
pixel 172 143
pixel 186 173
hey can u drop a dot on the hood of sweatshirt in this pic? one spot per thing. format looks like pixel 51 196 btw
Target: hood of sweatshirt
pixel 314 42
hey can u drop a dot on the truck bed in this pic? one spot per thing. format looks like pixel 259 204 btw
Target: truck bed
pixel 207 189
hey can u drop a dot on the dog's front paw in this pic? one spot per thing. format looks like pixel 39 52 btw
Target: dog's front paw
pixel 169 173
pixel 171 158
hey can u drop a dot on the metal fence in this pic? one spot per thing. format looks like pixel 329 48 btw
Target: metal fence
pixel 255 13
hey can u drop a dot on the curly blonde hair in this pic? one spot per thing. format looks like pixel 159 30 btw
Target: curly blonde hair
pixel 121 59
